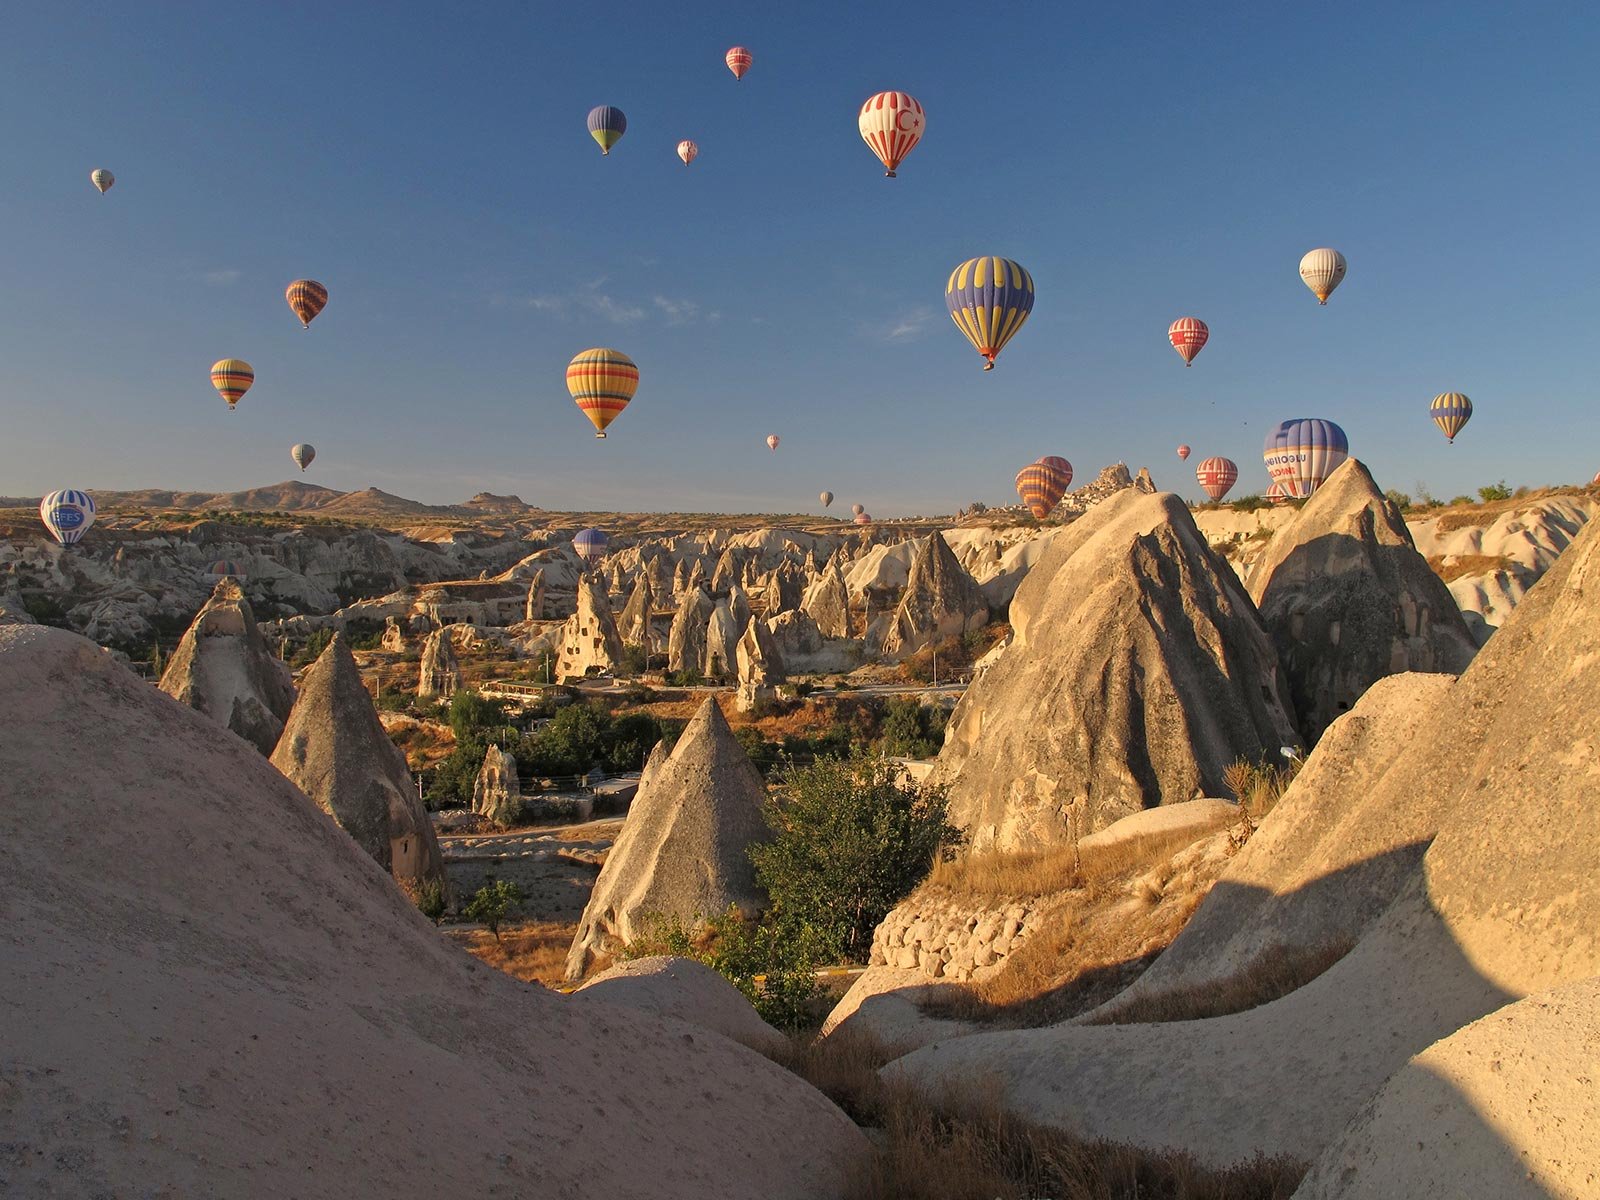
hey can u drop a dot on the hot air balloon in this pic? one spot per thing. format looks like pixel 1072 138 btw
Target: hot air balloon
pixel 891 124
pixel 590 544
pixel 1450 412
pixel 688 151
pixel 826 498
pixel 606 126
pixel 307 298
pixel 1302 452
pixel 1322 271
pixel 738 59
pixel 1184 452
pixel 1188 336
pixel 67 514
pixel 858 509
pixel 989 299
pixel 602 382
pixel 1276 495
pixel 1041 484
pixel 302 453
pixel 863 518
pixel 102 179
pixel 232 377
pixel 1216 476
pixel 226 569
pixel 772 441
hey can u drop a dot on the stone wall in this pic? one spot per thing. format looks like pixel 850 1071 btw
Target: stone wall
pixel 946 940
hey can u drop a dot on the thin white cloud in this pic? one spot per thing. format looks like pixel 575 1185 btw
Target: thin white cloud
pixel 910 324
pixel 221 278
pixel 684 312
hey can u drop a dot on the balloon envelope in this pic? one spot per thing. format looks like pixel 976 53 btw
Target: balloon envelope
pixel 989 299
pixel 1184 452
pixel 688 151
pixel 606 126
pixel 1216 476
pixel 863 518
pixel 857 509
pixel 772 441
pixel 1276 494
pixel 590 544
pixel 891 124
pixel 1302 452
pixel 1323 270
pixel 602 382
pixel 1450 412
pixel 67 514
pixel 232 377
pixel 225 569
pixel 1188 336
pixel 303 453
pixel 102 179
pixel 1041 484
pixel 826 498
pixel 307 298
pixel 738 59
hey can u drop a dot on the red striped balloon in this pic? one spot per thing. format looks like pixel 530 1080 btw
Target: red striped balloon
pixel 307 297
pixel 1042 484
pixel 1188 336
pixel 1216 476
pixel 891 124
pixel 739 60
pixel 1184 452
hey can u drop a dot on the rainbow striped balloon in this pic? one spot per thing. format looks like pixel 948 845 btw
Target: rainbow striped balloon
pixel 1450 411
pixel 989 299
pixel 232 377
pixel 1302 453
pixel 891 123
pixel 225 568
pixel 307 298
pixel 606 126
pixel 1216 475
pixel 602 382
pixel 67 514
pixel 1041 484
pixel 738 59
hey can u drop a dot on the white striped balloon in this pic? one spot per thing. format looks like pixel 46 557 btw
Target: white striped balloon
pixel 891 123
pixel 688 151
pixel 67 514
pixel 1322 270
pixel 1188 336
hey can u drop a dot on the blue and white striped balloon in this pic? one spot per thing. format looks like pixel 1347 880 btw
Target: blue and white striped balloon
pixel 67 514
pixel 1302 452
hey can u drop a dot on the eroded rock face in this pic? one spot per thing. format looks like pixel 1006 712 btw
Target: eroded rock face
pixel 497 792
pixel 1137 672
pixel 394 637
pixel 682 852
pixel 1348 600
pixel 760 668
pixel 722 643
pixel 827 601
pixel 941 600
pixel 533 606
pixel 782 589
pixel 438 672
pixel 224 668
pixel 589 640
pixel 634 628
pixel 686 643
pixel 334 750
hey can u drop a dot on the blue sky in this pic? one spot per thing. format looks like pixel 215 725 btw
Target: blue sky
pixel 429 163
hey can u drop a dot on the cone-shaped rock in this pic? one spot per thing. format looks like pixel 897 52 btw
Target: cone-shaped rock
pixel 1138 671
pixel 589 639
pixel 438 671
pixel 334 750
pixel 209 990
pixel 497 792
pixel 660 572
pixel 223 668
pixel 722 642
pixel 1348 600
pixel 739 606
pixel 760 666
pixel 782 590
pixel 727 573
pixel 533 606
pixel 827 601
pixel 634 627
pixel 686 643
pixel 682 850
pixel 941 600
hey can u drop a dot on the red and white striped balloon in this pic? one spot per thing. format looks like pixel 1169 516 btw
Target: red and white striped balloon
pixel 1188 336
pixel 1184 452
pixel 688 151
pixel 1216 476
pixel 891 124
pixel 739 59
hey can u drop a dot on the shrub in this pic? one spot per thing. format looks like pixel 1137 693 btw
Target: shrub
pixel 453 779
pixel 689 678
pixel 634 660
pixel 312 650
pixel 912 729
pixel 629 740
pixel 1398 498
pixel 1494 491
pixel 430 899
pixel 850 841
pixel 1461 500
pixel 1247 503
pixel 472 714
pixel 492 903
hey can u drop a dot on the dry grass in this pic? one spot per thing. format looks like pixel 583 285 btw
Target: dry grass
pixel 1467 516
pixel 534 951
pixel 1451 567
pixel 967 1146
pixel 1274 974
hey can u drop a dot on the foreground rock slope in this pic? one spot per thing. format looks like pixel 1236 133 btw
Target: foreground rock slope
pixel 210 990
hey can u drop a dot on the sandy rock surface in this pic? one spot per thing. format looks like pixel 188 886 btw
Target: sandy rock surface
pixel 685 990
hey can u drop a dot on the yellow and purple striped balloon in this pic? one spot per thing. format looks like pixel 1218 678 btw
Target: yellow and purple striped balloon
pixel 232 377
pixel 307 298
pixel 989 298
pixel 1450 412
pixel 602 382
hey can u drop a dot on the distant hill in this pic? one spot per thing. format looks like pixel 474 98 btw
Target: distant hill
pixel 289 496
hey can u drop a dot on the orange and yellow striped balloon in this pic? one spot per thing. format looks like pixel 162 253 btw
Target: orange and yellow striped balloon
pixel 602 382
pixel 232 377
pixel 307 297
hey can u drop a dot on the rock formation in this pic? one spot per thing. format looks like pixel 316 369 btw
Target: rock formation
pixel 682 851
pixel 394 637
pixel 739 606
pixel 782 590
pixel 13 611
pixel 686 643
pixel 727 573
pixel 210 990
pixel 497 792
pixel 1137 673
pixel 438 673
pixel 941 600
pixel 334 750
pixel 680 578
pixel 634 628
pixel 1348 600
pixel 722 641
pixel 533 607
pixel 660 573
pixel 686 990
pixel 1108 483
pixel 795 636
pixel 827 601
pixel 589 639
pixel 760 668
pixel 223 668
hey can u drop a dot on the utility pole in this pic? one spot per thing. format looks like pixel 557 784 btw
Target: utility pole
pixel 936 666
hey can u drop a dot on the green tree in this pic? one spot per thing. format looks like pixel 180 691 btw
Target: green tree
pixel 912 729
pixel 629 740
pixel 1398 498
pixel 493 902
pixel 471 714
pixel 850 841
pixel 1495 491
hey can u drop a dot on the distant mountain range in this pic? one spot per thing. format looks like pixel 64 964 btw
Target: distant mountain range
pixel 370 504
